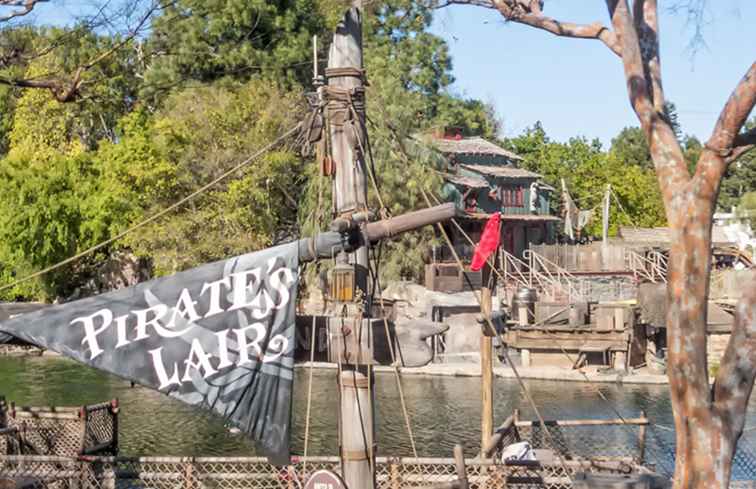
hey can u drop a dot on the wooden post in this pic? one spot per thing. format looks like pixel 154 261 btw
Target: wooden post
pixel 459 462
pixel 346 117
pixel 605 228
pixel 486 389
pixel 642 438
pixel 486 357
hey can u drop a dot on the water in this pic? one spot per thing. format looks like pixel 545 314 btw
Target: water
pixel 443 411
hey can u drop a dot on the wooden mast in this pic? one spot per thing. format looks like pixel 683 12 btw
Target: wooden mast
pixel 346 115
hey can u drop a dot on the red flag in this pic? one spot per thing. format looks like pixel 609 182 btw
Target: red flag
pixel 489 241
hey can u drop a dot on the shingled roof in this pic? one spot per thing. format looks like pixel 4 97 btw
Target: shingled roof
pixel 502 171
pixel 470 182
pixel 472 146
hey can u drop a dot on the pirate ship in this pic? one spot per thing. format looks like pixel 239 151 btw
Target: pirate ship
pixel 223 337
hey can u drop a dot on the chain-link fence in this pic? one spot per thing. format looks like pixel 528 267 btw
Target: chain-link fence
pixel 256 473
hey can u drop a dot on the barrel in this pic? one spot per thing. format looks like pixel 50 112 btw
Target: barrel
pixel 523 305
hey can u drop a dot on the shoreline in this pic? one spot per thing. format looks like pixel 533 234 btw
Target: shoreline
pixel 465 370
pixel 530 373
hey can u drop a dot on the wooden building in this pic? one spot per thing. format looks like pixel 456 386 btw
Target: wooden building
pixel 483 178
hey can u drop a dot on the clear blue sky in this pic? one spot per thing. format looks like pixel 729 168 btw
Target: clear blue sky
pixel 576 87
pixel 573 86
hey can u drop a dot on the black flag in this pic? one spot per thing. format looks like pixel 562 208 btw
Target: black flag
pixel 220 336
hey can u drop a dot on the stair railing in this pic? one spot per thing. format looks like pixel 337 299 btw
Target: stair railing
pixel 559 278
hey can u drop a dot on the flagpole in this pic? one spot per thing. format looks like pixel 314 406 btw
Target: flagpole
pixel 488 285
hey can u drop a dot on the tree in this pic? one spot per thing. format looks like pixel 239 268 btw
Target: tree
pixel 409 73
pixel 630 144
pixel 40 220
pixel 75 68
pixel 630 147
pixel 739 179
pixel 199 133
pixel 587 170
pixel 708 420
pixel 204 40
pixel 747 208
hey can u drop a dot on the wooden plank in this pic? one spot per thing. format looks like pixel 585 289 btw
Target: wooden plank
pixel 585 422
pixel 545 341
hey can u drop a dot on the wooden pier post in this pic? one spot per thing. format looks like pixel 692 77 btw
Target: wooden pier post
pixel 486 355
pixel 346 120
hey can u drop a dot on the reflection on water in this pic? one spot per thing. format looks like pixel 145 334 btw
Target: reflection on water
pixel 443 410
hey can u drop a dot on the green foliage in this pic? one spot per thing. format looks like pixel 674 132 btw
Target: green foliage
pixel 747 207
pixel 205 40
pixel 587 170
pixel 7 108
pixel 630 147
pixel 692 148
pixel 740 177
pixel 40 219
pixel 214 81
pixel 55 54
pixel 473 117
pixel 134 176
pixel 56 202
pixel 200 133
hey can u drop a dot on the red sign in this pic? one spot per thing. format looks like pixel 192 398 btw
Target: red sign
pixel 325 479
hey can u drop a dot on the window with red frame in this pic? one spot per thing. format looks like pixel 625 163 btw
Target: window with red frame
pixel 513 197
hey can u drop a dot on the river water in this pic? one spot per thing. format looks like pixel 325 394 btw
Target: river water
pixel 443 411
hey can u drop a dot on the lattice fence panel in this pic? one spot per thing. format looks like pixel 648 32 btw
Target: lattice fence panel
pixel 50 436
pixel 101 428
pixel 66 432
pixel 256 473
pixel 44 472
pixel 3 412
pixel 10 442
pixel 394 474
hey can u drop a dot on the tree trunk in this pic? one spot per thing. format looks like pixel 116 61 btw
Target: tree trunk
pixel 708 420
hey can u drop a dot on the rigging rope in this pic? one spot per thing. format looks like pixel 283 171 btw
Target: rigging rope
pixel 163 212
pixel 371 169
pixel 309 398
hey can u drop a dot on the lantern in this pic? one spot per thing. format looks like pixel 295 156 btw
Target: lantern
pixel 342 282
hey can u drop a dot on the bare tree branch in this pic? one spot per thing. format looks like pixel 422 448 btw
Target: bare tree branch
pixel 529 12
pixel 68 90
pixel 726 144
pixel 26 6
pixel 475 3
pixel 744 142
pixel 734 114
